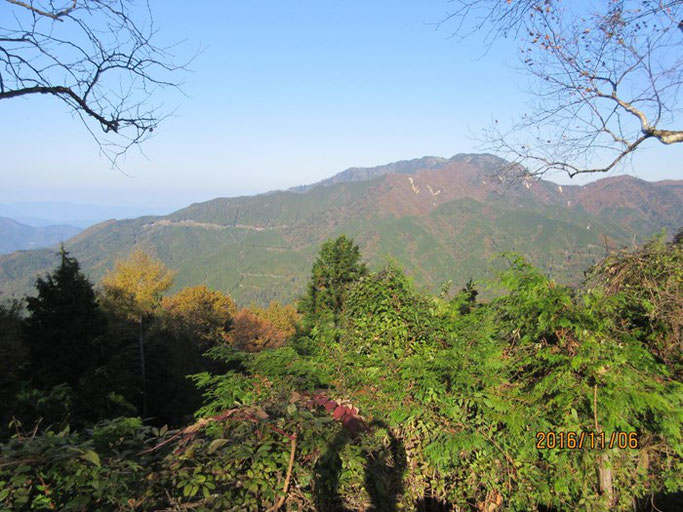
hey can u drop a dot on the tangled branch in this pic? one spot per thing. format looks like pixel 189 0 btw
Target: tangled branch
pixel 605 81
pixel 99 57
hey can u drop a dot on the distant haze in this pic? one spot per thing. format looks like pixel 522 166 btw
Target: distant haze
pixel 40 214
pixel 285 93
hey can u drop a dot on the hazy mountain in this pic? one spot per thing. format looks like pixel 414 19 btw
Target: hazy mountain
pixel 15 235
pixel 47 213
pixel 441 223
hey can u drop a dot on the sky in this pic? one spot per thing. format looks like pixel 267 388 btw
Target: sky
pixel 284 93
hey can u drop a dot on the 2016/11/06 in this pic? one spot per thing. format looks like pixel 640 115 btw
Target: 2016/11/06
pixel 582 439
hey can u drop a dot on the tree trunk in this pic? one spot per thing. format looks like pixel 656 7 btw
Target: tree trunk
pixel 141 340
pixel 605 477
pixel 605 481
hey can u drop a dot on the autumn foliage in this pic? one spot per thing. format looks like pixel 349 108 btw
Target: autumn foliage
pixel 258 328
pixel 201 313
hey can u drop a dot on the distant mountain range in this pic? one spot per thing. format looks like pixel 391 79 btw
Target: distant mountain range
pixel 15 235
pixel 442 219
pixel 48 213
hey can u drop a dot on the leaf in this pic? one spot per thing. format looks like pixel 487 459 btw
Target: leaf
pixel 92 457
pixel 216 444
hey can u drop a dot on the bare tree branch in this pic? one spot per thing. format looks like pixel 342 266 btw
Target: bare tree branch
pixel 605 80
pixel 99 57
pixel 55 15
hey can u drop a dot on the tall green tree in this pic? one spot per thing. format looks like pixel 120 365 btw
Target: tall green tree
pixel 13 356
pixel 63 325
pixel 336 267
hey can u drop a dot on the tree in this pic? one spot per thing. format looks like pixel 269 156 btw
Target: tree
pixel 12 349
pixel 337 265
pixel 13 356
pixel 99 57
pixel 607 78
pixel 257 328
pixel 134 288
pixel 200 313
pixel 63 325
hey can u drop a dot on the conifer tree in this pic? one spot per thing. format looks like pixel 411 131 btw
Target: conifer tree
pixel 64 323
pixel 337 265
pixel 13 355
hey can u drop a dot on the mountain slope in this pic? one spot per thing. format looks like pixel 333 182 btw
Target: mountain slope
pixel 440 223
pixel 15 235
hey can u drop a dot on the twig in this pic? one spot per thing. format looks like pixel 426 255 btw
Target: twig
pixel 54 15
pixel 21 461
pixel 288 476
pixel 595 407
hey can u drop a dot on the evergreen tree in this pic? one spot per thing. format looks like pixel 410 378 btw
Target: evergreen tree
pixel 64 324
pixel 466 298
pixel 336 267
pixel 13 357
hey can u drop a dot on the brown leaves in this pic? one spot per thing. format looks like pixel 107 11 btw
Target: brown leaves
pixel 257 328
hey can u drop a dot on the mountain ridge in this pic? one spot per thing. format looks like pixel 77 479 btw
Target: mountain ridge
pixel 15 235
pixel 399 167
pixel 440 224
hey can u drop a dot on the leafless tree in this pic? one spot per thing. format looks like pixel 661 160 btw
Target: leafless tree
pixel 97 56
pixel 606 75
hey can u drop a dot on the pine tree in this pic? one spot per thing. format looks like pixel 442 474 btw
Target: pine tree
pixel 64 323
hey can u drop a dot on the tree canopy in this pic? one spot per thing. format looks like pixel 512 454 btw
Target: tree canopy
pixel 136 283
pixel 336 266
pixel 64 324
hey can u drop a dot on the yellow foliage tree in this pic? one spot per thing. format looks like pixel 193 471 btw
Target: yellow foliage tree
pixel 134 288
pixel 199 312
pixel 135 285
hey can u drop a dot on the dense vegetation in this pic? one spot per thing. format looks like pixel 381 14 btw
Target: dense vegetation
pixel 376 395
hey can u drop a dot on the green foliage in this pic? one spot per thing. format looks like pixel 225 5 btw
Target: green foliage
pixel 385 309
pixel 336 267
pixel 13 355
pixel 63 325
pixel 409 398
pixel 57 377
pixel 98 469
pixel 646 284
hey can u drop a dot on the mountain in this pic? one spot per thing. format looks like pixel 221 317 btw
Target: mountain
pixel 442 222
pixel 15 235
pixel 48 213
pixel 368 173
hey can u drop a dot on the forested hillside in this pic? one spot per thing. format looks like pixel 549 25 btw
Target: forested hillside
pixel 441 219
pixel 371 394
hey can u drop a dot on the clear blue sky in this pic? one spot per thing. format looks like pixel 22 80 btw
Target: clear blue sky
pixel 286 92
